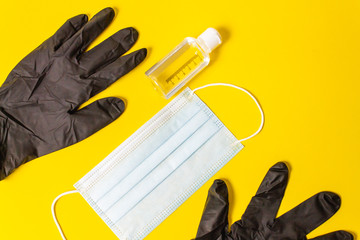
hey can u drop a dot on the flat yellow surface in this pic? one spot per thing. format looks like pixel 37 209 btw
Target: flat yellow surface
pixel 301 60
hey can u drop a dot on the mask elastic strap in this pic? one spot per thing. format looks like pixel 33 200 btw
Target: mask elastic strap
pixel 54 214
pixel 248 93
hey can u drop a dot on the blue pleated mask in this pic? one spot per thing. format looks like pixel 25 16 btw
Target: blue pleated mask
pixel 163 163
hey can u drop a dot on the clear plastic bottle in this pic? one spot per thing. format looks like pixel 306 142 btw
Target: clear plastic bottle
pixel 172 72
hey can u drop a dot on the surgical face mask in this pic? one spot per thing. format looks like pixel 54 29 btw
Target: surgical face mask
pixel 162 164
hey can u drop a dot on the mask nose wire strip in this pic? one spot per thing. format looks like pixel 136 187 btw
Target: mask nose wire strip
pixel 54 214
pixel 248 93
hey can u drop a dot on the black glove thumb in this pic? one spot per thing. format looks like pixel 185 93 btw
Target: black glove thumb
pixel 92 118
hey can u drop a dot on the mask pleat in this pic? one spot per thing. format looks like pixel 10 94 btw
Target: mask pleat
pixel 155 158
pixel 162 171
pixel 128 164
pixel 184 181
pixel 163 118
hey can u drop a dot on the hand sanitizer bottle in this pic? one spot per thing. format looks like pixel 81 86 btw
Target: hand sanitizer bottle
pixel 172 72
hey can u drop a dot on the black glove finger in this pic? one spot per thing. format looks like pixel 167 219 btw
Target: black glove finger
pixel 215 215
pixel 35 63
pixel 309 214
pixel 94 117
pixel 338 235
pixel 265 204
pixel 91 30
pixel 66 31
pixel 109 50
pixel 109 74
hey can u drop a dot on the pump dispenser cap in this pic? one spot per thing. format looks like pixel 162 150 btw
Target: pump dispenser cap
pixel 210 39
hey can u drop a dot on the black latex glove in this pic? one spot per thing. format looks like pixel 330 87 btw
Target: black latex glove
pixel 40 98
pixel 259 221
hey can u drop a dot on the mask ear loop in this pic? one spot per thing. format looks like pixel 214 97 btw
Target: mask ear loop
pixel 54 214
pixel 248 93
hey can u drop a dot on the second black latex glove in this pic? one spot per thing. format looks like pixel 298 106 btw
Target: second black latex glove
pixel 259 221
pixel 40 98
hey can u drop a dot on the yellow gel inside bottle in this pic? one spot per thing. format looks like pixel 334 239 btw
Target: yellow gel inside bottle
pixel 176 69
pixel 184 62
pixel 179 67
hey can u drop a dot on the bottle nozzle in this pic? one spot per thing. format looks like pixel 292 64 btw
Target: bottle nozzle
pixel 210 39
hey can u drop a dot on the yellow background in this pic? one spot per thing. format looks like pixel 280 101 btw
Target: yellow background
pixel 301 60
